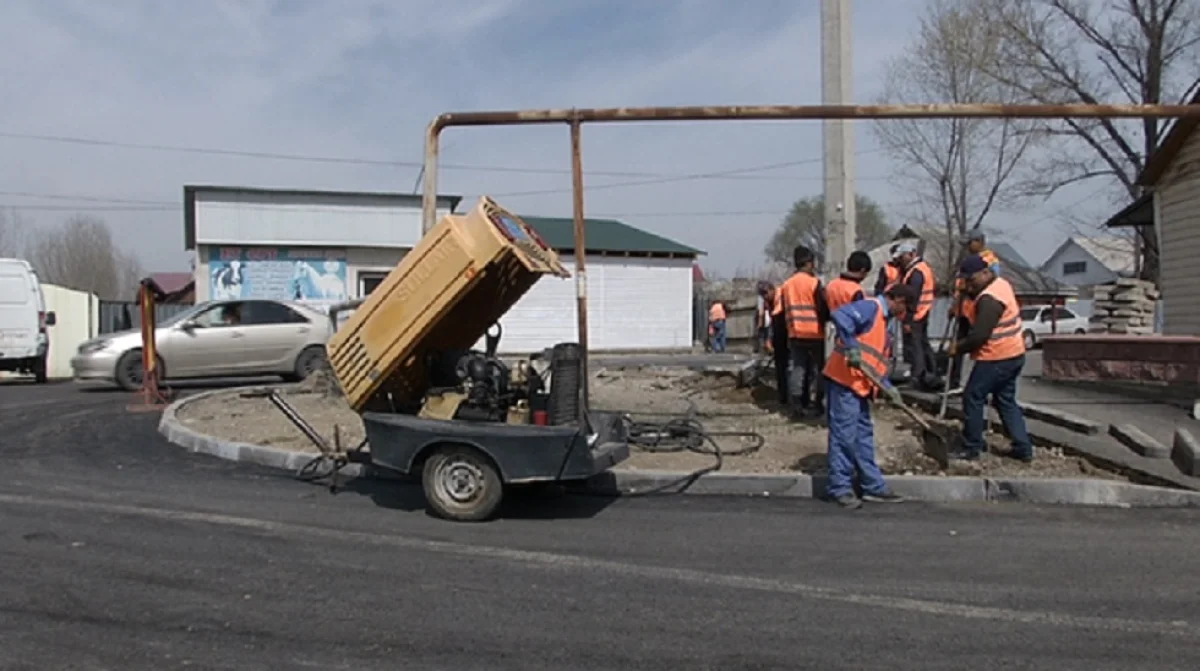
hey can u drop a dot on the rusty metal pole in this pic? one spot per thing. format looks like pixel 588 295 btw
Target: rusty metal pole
pixel 429 200
pixel 581 302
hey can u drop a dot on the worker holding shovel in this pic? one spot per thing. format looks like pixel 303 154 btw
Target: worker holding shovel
pixel 856 370
pixel 997 347
pixel 976 244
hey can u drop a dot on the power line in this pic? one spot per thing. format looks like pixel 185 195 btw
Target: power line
pixel 345 160
pixel 723 174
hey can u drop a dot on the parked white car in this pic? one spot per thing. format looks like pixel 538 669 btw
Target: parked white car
pixel 1039 321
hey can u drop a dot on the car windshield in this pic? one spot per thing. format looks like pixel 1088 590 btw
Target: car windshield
pixel 1029 313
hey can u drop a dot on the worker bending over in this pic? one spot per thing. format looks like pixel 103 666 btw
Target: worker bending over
pixel 996 345
pixel 918 275
pixel 779 338
pixel 862 339
pixel 848 287
pixel 976 244
pixel 802 304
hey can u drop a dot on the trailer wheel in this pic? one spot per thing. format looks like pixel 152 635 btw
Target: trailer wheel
pixel 461 484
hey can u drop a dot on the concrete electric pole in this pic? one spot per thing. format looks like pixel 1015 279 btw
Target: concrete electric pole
pixel 836 80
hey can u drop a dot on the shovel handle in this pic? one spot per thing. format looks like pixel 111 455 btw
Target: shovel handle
pixel 912 414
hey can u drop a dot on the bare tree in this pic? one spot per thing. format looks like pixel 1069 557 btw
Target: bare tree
pixel 11 232
pixel 1097 51
pixel 81 255
pixel 960 170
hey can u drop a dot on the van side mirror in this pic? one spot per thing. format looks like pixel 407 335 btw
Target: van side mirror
pixel 51 319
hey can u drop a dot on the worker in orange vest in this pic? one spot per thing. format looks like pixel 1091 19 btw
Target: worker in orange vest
pixel 777 334
pixel 716 326
pixel 889 274
pixel 996 345
pixel 916 273
pixel 847 287
pixel 976 244
pixel 802 305
pixel 862 338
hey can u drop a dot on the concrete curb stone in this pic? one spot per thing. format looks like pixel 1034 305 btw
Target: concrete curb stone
pixel 1064 419
pixel 1135 439
pixel 933 489
pixel 1186 453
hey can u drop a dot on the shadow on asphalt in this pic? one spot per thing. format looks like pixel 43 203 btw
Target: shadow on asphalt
pixel 548 502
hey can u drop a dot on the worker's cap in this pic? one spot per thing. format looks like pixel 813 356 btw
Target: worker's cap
pixel 905 248
pixel 971 265
pixel 975 235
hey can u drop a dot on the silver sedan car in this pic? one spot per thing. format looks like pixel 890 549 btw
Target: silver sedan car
pixel 215 339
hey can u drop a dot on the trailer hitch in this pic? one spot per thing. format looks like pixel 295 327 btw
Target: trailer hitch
pixel 332 455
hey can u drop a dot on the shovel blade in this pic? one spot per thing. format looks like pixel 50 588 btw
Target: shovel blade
pixel 936 446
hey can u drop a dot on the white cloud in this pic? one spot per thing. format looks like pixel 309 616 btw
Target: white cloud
pixel 363 77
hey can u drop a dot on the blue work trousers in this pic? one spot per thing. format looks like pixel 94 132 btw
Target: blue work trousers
pixel 718 336
pixel 998 378
pixel 851 443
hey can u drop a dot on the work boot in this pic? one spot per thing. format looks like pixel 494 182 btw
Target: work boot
pixel 848 501
pixel 965 455
pixel 1023 457
pixel 886 496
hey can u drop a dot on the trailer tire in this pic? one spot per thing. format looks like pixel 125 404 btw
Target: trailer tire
pixel 461 484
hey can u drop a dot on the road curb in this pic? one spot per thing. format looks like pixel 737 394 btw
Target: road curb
pixel 176 432
pixel 626 482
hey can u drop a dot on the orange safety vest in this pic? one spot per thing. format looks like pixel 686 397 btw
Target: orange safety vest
pixel 928 289
pixel 1006 341
pixel 893 276
pixel 800 295
pixel 873 344
pixel 960 284
pixel 842 291
pixel 716 313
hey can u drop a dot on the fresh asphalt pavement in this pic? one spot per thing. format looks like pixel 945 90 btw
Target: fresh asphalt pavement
pixel 122 551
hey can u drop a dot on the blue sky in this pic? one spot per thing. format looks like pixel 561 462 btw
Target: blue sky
pixel 362 78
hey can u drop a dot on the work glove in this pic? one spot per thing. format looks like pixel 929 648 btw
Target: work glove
pixel 854 357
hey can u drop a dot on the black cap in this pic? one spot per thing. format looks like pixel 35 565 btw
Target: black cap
pixel 971 265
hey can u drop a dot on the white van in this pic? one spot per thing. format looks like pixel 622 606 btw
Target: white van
pixel 24 341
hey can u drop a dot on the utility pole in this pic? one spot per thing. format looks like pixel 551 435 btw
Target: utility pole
pixel 836 80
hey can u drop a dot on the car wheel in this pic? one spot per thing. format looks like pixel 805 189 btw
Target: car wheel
pixel 39 370
pixel 128 375
pixel 1030 340
pixel 311 360
pixel 1080 332
pixel 461 484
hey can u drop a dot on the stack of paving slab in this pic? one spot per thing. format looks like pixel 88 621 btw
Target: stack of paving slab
pixel 1125 307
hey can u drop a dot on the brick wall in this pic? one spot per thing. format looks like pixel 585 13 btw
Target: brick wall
pixel 1159 360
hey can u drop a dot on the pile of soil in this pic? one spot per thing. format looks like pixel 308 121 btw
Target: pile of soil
pixel 648 394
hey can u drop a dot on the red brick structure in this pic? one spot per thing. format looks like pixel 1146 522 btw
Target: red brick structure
pixel 1152 360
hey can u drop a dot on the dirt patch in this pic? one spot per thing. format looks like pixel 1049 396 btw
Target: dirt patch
pixel 650 395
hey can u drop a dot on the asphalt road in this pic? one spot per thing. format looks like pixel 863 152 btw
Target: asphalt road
pixel 120 551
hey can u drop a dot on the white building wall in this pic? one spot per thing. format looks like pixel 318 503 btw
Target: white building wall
pixel 282 220
pixel 1096 273
pixel 633 304
pixel 1177 215
pixel 77 315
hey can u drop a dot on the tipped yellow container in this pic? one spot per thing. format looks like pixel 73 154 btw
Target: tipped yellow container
pixel 458 281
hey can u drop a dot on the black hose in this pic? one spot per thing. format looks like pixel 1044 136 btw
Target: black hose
pixel 685 433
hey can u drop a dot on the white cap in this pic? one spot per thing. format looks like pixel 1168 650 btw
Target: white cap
pixel 905 248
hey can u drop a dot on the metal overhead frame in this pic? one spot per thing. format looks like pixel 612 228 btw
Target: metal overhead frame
pixel 575 118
